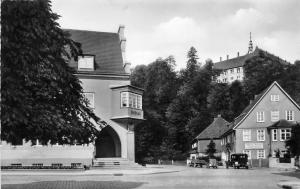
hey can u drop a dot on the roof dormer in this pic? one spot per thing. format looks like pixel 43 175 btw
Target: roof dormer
pixel 86 63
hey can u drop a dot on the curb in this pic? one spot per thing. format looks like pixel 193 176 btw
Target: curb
pixel 86 173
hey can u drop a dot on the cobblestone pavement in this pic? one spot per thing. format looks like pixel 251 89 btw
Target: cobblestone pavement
pixel 186 178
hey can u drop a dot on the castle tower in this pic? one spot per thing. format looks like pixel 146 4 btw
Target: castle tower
pixel 250 48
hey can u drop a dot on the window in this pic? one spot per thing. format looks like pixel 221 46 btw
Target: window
pixel 274 98
pixel 231 70
pixel 231 78
pixel 238 70
pixel 228 139
pixel 238 77
pixel 86 62
pixel 274 116
pixel 289 114
pixel 260 117
pixel 274 134
pixel 225 72
pixel 131 100
pixel 248 152
pixel 285 134
pixel 260 154
pixel 90 97
pixel 225 80
pixel 260 135
pixel 124 99
pixel 246 135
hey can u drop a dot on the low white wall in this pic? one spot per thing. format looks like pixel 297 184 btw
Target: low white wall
pixel 27 154
pixel 274 163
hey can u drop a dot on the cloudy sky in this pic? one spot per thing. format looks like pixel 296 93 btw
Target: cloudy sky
pixel 159 28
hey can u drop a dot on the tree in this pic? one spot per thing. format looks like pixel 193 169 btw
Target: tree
pixel 41 97
pixel 211 149
pixel 192 65
pixel 238 99
pixel 293 144
pixel 291 81
pixel 261 71
pixel 160 83
pixel 219 100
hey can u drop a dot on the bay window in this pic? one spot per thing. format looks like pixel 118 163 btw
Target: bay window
pixel 131 100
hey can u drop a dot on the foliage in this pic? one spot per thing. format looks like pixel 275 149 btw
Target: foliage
pixel 41 97
pixel 294 143
pixel 261 71
pixel 160 83
pixel 211 149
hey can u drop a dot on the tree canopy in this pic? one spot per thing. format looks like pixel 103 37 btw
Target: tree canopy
pixel 293 143
pixel 41 97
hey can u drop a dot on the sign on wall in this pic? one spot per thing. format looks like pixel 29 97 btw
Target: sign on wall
pixel 254 145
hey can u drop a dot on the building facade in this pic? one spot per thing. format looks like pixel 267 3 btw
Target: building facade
pixel 232 69
pixel 263 127
pixel 104 73
pixel 212 132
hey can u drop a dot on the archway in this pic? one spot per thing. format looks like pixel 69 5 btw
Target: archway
pixel 108 143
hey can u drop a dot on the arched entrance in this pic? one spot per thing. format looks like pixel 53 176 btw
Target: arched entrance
pixel 108 143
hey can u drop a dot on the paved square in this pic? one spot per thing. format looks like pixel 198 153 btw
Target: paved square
pixel 185 178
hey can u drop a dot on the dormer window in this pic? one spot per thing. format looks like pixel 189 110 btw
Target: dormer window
pixel 86 62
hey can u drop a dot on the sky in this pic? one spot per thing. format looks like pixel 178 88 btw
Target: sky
pixel 216 28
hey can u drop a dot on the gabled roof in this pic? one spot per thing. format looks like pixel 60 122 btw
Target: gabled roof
pixel 241 60
pixel 238 120
pixel 104 46
pixel 214 130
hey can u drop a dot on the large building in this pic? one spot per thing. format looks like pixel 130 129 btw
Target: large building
pixel 232 69
pixel 104 73
pixel 263 127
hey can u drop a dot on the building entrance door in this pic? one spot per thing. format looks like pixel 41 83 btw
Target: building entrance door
pixel 108 144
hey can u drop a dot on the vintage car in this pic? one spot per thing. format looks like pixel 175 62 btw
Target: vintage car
pixel 212 163
pixel 197 163
pixel 238 160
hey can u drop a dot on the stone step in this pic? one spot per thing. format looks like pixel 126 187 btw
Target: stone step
pixel 115 163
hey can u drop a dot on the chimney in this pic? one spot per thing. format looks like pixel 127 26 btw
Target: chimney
pixel 127 67
pixel 227 57
pixel 238 54
pixel 122 42
pixel 121 32
pixel 219 115
pixel 250 101
pixel 220 58
pixel 255 96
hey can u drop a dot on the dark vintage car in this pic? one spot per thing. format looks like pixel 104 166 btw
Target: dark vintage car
pixel 237 161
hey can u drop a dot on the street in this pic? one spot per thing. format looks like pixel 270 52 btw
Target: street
pixel 182 177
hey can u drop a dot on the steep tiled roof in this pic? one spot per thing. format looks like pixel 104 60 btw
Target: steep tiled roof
pixel 241 60
pixel 214 130
pixel 106 48
pixel 234 62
